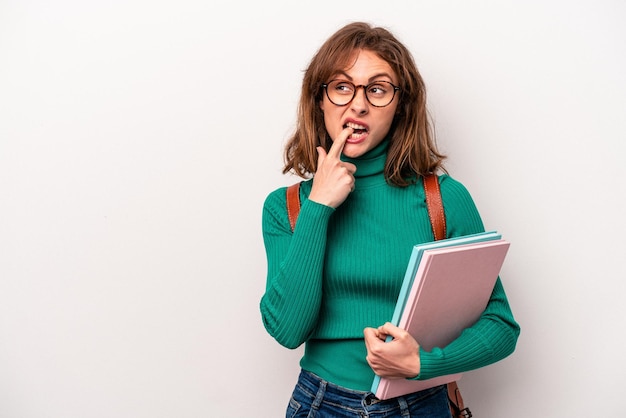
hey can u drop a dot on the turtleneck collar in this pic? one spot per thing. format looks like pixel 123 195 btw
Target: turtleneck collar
pixel 370 165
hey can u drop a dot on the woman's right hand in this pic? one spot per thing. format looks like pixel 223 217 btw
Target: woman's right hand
pixel 334 179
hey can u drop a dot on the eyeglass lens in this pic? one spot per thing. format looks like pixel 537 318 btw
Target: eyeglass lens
pixel 378 93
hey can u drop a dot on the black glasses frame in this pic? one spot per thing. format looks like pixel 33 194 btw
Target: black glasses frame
pixel 356 88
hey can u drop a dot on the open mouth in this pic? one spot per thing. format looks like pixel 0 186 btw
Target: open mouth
pixel 358 130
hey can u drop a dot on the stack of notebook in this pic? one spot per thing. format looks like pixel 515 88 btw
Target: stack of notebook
pixel 446 288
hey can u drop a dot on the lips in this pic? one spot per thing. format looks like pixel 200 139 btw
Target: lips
pixel 359 131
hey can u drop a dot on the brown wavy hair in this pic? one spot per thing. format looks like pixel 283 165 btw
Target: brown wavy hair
pixel 412 148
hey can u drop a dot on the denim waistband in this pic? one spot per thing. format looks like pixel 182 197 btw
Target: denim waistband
pixel 311 382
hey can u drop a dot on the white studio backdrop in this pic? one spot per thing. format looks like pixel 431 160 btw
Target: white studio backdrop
pixel 138 140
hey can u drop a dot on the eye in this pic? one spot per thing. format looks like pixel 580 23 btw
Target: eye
pixel 342 87
pixel 378 89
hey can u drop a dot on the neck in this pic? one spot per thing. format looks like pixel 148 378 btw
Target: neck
pixel 371 165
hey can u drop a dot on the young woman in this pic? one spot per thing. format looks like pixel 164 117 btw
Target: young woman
pixel 363 143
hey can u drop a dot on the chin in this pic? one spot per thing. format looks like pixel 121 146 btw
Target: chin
pixel 354 151
pixel 359 147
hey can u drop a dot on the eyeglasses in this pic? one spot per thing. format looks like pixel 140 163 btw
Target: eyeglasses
pixel 378 93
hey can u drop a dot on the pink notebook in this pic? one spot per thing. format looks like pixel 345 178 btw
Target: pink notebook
pixel 450 291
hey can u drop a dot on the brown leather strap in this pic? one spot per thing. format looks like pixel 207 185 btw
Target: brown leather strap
pixel 438 223
pixel 435 206
pixel 457 407
pixel 293 204
pixel 433 201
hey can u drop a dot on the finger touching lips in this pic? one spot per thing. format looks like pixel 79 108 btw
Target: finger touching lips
pixel 340 142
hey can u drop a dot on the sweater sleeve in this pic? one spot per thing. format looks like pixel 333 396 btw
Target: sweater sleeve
pixel 494 336
pixel 295 262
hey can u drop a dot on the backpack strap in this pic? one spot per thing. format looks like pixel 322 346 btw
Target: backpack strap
pixel 438 223
pixel 435 206
pixel 293 204
pixel 455 400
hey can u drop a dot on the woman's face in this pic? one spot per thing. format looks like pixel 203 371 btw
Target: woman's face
pixel 371 124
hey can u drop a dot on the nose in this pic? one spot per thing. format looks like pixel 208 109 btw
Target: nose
pixel 359 103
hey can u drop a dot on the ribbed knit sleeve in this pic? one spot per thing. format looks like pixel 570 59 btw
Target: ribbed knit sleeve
pixel 291 303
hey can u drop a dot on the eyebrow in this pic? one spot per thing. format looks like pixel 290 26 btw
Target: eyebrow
pixel 372 78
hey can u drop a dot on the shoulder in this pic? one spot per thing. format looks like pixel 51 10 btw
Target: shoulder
pixel 276 201
pixel 462 216
pixel 277 198
pixel 275 211
pixel 453 189
pixel 274 217
pixel 279 195
pixel 447 181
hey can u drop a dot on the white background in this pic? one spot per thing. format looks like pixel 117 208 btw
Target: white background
pixel 138 140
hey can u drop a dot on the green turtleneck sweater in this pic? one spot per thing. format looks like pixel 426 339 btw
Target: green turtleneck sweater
pixel 341 271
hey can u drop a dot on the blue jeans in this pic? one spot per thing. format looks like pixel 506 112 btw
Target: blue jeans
pixel 314 397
